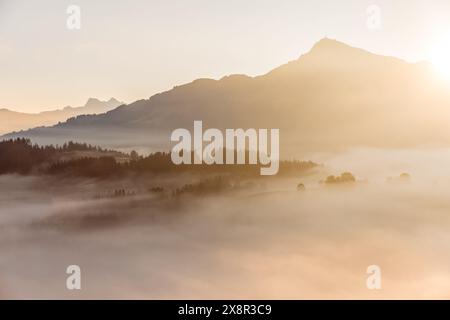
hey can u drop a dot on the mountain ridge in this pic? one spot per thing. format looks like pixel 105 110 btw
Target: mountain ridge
pixel 15 121
pixel 362 98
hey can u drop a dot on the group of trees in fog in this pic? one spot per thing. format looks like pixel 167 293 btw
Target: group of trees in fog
pixel 160 162
pixel 345 177
pixel 100 167
pixel 211 185
pixel 21 156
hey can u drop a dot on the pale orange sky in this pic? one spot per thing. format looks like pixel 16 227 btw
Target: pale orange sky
pixel 133 49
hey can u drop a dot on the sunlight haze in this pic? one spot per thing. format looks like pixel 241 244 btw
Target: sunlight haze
pixel 133 49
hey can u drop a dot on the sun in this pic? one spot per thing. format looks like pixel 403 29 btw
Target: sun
pixel 440 57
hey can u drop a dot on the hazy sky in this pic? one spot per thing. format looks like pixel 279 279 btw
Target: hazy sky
pixel 134 49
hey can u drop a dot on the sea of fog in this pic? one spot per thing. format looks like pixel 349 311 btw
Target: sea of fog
pixel 273 244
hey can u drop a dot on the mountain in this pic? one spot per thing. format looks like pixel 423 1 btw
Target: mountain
pixel 333 97
pixel 13 121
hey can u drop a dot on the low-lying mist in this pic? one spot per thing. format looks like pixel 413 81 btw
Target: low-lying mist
pixel 265 242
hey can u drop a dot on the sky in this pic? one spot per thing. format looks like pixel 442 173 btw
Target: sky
pixel 133 49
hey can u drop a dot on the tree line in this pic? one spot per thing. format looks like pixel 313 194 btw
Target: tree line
pixel 23 157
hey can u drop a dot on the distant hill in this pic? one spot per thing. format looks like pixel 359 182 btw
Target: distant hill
pixel 333 97
pixel 15 121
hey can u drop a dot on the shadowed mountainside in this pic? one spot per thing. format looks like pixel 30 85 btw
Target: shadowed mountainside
pixel 333 97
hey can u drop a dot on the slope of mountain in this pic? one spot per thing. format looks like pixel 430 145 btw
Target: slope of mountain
pixel 333 97
pixel 13 121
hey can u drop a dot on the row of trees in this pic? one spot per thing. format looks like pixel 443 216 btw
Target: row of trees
pixel 21 156
pixel 160 162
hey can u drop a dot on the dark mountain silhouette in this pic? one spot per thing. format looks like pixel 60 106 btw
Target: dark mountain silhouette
pixel 333 97
pixel 13 121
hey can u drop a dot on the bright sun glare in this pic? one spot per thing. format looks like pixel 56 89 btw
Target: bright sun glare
pixel 440 57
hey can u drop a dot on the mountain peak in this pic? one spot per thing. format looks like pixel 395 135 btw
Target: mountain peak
pixel 329 52
pixel 113 100
pixel 327 44
pixel 92 101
